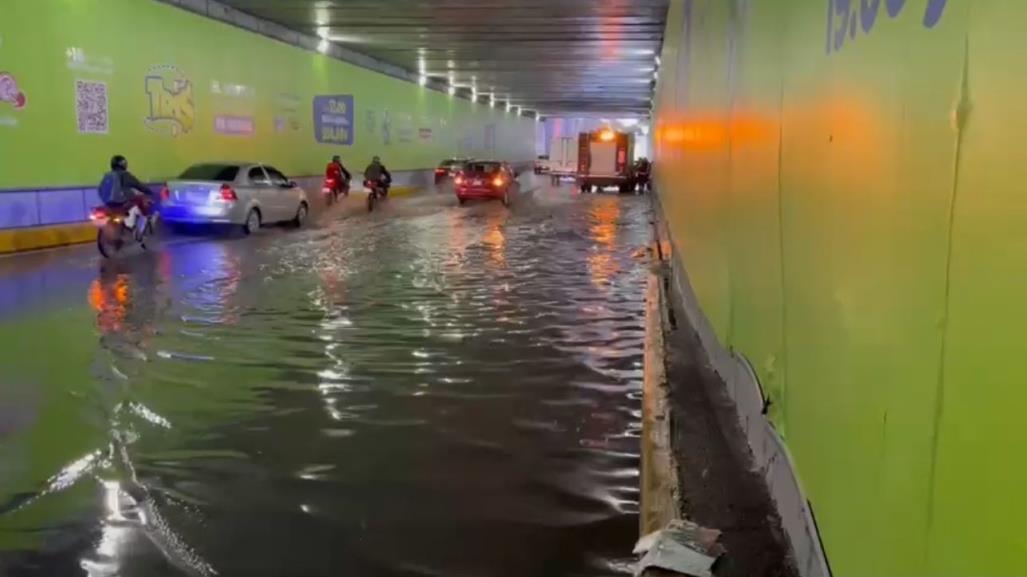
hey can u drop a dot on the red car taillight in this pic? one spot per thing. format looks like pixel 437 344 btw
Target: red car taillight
pixel 498 181
pixel 459 179
pixel 165 194
pixel 228 193
pixel 98 214
pixel 440 171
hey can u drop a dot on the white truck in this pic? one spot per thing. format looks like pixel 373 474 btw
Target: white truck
pixel 563 157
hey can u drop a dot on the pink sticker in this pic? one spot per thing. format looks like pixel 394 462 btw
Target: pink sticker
pixel 9 91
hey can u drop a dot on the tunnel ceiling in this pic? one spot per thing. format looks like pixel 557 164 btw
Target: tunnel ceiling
pixel 555 57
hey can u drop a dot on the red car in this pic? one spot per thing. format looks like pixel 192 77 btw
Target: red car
pixel 485 180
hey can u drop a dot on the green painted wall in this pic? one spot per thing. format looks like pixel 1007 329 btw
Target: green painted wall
pixel 200 70
pixel 843 181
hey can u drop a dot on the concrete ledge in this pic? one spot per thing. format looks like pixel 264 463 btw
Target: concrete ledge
pixel 659 478
pixel 35 238
pixel 771 458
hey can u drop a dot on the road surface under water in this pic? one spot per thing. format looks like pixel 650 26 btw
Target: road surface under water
pixel 427 390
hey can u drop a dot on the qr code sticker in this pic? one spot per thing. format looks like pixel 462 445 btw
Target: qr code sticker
pixel 91 105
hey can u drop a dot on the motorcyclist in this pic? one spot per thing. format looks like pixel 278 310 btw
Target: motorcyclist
pixel 121 190
pixel 336 173
pixel 376 172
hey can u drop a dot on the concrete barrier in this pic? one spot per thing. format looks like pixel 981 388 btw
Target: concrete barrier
pixel 34 219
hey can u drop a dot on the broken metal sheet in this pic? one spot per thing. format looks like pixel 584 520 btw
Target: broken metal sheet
pixel 682 547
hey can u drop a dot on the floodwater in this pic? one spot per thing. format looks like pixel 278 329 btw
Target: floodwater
pixel 428 390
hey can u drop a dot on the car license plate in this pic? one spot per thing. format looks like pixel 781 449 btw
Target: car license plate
pixel 195 194
pixel 476 182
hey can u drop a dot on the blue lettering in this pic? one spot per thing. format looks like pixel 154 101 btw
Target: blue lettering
pixel 843 11
pixel 842 21
pixel 933 14
pixel 868 14
pixel 895 6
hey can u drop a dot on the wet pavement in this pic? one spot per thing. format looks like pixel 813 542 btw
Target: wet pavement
pixel 427 390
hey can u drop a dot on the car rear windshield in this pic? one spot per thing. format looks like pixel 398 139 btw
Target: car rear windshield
pixel 482 166
pixel 453 164
pixel 216 172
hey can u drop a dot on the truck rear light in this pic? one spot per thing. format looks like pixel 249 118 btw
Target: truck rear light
pixel 228 193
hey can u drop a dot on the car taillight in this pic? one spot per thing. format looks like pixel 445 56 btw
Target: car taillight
pixel 498 181
pixel 165 193
pixel 459 179
pixel 98 214
pixel 440 171
pixel 228 193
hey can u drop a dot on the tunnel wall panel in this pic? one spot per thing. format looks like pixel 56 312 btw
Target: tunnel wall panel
pixel 842 181
pixel 85 79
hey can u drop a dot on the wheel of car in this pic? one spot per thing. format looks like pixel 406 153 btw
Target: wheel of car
pixel 252 223
pixel 301 215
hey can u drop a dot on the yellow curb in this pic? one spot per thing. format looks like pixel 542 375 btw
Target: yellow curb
pixel 397 191
pixel 402 191
pixel 34 238
pixel 659 473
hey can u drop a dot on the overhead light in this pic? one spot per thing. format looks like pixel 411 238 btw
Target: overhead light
pixel 323 46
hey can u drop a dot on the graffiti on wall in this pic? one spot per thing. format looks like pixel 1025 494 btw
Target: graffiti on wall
pixel 170 94
pixel 847 18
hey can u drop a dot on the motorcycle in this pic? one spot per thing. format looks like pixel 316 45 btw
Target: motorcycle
pixel 332 188
pixel 643 178
pixel 377 191
pixel 113 230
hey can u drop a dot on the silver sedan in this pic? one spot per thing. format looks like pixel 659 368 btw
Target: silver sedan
pixel 247 195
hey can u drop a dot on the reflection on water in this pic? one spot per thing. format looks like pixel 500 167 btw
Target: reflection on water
pixel 442 391
pixel 602 263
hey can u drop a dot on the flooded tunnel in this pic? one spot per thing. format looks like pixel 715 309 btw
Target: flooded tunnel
pixel 478 288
